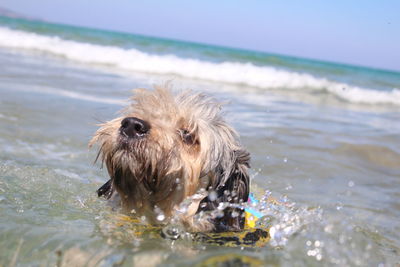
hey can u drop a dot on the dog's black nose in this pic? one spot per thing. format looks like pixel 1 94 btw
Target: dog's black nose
pixel 134 127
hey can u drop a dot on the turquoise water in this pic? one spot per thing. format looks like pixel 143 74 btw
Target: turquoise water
pixel 377 79
pixel 324 139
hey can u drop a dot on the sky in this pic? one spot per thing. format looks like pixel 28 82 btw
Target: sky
pixel 358 32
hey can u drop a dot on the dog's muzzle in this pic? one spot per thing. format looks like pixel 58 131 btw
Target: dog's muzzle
pixel 132 127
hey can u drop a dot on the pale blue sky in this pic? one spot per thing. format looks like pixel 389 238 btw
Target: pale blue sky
pixel 356 32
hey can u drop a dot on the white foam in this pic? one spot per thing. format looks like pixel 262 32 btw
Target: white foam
pixel 226 72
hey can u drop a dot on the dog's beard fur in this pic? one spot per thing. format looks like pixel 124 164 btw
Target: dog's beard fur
pixel 189 148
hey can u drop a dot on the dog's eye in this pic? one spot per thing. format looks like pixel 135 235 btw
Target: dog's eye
pixel 187 137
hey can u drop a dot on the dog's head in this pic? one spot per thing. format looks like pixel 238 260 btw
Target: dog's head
pixel 166 147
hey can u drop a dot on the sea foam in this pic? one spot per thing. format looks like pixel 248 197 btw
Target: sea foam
pixel 226 72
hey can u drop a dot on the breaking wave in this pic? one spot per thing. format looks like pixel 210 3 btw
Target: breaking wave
pixel 246 74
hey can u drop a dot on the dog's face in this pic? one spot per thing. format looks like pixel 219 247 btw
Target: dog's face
pixel 167 147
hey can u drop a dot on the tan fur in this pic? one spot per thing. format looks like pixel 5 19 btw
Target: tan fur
pixel 158 172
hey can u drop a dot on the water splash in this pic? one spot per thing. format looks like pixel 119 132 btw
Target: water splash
pixel 297 232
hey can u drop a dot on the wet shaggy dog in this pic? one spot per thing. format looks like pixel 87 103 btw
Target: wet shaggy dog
pixel 167 151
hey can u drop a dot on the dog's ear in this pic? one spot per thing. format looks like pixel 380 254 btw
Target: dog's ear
pixel 105 190
pixel 233 189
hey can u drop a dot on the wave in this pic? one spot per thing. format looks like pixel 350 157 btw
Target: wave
pixel 225 72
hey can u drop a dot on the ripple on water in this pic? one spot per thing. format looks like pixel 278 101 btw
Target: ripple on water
pixel 298 233
pixel 54 211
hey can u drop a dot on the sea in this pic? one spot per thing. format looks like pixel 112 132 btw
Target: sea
pixel 324 140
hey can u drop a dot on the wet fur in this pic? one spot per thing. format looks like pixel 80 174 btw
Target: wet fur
pixel 189 148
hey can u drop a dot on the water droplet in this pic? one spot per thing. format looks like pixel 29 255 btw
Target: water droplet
pixel 160 217
pixel 350 184
pixel 212 196
pixel 328 228
pixel 160 214
pixel 222 205
pixel 172 232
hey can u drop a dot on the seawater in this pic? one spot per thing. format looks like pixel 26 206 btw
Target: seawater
pixel 324 140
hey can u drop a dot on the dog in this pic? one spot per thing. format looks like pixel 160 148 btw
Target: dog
pixel 167 149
